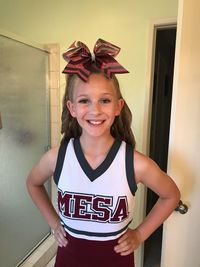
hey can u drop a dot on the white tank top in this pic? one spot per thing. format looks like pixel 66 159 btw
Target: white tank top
pixel 95 204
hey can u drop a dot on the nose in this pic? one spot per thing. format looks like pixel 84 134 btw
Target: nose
pixel 95 108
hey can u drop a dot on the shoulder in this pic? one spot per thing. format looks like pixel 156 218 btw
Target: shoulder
pixel 48 160
pixel 50 157
pixel 145 168
pixel 45 167
pixel 149 173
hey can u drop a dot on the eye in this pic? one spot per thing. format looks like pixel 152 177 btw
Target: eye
pixel 83 101
pixel 105 100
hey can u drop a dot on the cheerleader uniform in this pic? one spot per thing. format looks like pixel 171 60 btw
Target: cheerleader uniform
pixel 95 205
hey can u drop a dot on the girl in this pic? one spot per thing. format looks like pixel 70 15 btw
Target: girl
pixel 97 169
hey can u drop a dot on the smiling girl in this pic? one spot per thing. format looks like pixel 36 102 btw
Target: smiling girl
pixel 96 169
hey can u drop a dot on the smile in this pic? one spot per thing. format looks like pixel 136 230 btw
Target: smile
pixel 95 122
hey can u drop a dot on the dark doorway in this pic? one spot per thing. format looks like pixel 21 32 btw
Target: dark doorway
pixel 160 124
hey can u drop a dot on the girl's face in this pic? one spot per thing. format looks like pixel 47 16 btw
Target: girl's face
pixel 95 105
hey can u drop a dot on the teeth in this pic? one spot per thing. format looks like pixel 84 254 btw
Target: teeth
pixel 95 122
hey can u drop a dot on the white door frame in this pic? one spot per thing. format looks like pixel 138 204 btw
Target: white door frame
pixel 148 104
pixel 163 23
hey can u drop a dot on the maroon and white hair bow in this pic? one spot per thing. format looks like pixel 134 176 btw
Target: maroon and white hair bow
pixel 80 59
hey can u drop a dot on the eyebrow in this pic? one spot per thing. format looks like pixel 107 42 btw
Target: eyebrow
pixel 82 95
pixel 85 95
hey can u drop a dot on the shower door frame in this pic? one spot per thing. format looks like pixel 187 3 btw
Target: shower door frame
pixel 53 109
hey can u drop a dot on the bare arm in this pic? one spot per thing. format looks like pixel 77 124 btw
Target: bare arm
pixel 148 173
pixel 39 174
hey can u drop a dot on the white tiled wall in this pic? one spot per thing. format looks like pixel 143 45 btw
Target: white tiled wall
pixel 54 82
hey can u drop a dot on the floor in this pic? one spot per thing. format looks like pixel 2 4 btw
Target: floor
pixel 51 263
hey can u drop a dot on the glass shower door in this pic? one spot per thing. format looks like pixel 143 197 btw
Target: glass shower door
pixel 24 135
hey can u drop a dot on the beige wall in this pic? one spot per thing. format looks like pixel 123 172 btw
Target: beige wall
pixel 125 23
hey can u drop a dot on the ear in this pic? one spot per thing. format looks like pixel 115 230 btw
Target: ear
pixel 71 108
pixel 120 105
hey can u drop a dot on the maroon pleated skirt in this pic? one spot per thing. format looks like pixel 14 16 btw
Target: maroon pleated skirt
pixel 87 253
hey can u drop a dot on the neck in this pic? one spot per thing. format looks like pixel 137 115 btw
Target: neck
pixel 96 149
pixel 96 146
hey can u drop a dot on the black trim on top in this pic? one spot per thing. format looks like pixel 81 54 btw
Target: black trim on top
pixel 81 232
pixel 60 159
pixel 130 168
pixel 93 174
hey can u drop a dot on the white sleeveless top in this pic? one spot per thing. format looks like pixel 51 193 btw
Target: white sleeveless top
pixel 95 204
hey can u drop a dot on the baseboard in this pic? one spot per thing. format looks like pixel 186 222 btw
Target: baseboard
pixel 43 254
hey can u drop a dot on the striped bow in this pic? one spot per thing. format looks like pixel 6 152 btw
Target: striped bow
pixel 80 59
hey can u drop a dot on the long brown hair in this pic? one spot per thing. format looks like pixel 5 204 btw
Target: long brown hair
pixel 121 128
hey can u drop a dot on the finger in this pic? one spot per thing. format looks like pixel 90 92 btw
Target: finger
pixel 60 236
pixel 122 238
pixel 61 242
pixel 129 248
pixel 125 253
pixel 124 249
pixel 62 231
pixel 125 245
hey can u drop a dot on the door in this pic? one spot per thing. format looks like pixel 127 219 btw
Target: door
pixel 181 235
pixel 165 39
pixel 24 134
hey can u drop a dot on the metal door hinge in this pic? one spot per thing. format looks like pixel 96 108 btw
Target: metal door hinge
pixel 1 126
